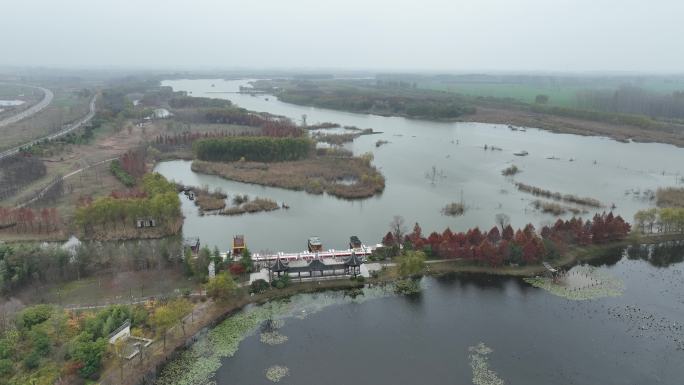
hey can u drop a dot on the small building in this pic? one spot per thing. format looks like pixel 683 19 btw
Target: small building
pixel 239 245
pixel 314 244
pixel 145 222
pixel 123 331
pixel 192 243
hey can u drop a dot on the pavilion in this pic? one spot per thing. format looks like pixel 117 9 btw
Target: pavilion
pixel 317 268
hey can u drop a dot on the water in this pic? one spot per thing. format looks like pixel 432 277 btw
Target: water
pixel 601 168
pixel 537 338
pixel 11 103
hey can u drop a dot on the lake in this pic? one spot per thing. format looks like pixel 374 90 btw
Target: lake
pixel 535 337
pixel 529 336
pixel 615 173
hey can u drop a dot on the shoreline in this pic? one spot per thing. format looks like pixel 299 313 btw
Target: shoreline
pixel 553 123
pixel 222 311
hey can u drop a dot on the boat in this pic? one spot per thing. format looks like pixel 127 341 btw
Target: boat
pixel 314 244
pixel 521 153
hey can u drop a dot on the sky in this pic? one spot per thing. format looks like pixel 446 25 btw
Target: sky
pixel 392 35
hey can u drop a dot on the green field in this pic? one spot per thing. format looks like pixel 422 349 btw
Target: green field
pixel 561 92
pixel 563 96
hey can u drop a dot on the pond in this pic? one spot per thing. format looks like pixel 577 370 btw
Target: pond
pixel 11 103
pixel 535 337
pixel 428 165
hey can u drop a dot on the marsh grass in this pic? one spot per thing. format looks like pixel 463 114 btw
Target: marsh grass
pixel 315 175
pixel 670 197
pixel 537 191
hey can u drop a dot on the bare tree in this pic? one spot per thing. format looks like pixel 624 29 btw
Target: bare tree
pixel 398 228
pixel 502 220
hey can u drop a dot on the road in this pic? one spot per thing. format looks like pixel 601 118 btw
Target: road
pixel 47 99
pixel 55 135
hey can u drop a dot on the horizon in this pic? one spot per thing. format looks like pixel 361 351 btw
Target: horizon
pixel 434 36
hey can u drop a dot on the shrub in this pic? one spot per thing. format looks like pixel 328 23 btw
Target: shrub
pixel 32 360
pixel 260 149
pixel 407 287
pixel 121 174
pixel 6 367
pixel 35 315
pixel 258 286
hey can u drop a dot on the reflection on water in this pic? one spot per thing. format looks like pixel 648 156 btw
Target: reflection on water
pixel 661 255
pixel 537 338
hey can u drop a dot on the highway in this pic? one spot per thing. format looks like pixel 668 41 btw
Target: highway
pixel 55 135
pixel 47 99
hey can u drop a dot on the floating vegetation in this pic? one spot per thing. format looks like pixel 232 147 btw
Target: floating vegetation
pixel 198 364
pixel 454 209
pixel 479 363
pixel 276 373
pixel 273 338
pixel 558 196
pixel 555 208
pixel 580 283
pixel 510 171
pixel 646 324
pixel 407 287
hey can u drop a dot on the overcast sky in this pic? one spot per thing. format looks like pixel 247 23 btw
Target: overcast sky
pixel 440 35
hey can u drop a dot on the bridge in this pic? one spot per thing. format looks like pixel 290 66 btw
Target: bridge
pixel 362 251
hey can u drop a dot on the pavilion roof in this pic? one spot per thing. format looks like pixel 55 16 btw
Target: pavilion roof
pixel 353 260
pixel 279 265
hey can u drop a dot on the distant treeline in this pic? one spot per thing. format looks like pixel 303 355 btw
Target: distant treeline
pixel 270 126
pixel 197 102
pixel 634 100
pixel 258 149
pixel 381 101
pixel 608 117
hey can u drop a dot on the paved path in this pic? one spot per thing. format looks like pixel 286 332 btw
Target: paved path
pixel 72 173
pixel 56 135
pixel 47 99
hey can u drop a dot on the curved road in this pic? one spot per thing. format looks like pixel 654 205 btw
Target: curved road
pixel 47 99
pixel 55 135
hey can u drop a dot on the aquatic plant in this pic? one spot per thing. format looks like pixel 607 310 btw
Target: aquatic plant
pixel 277 372
pixel 273 338
pixel 479 363
pixel 198 364
pixel 595 284
pixel 407 287
pixel 454 209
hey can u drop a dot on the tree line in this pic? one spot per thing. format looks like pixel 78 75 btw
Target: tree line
pixel 270 126
pixel 382 101
pixel 18 171
pixel 508 246
pixel 660 220
pixel 160 203
pixel 258 149
pixel 629 99
pixel 27 264
pixel 29 220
